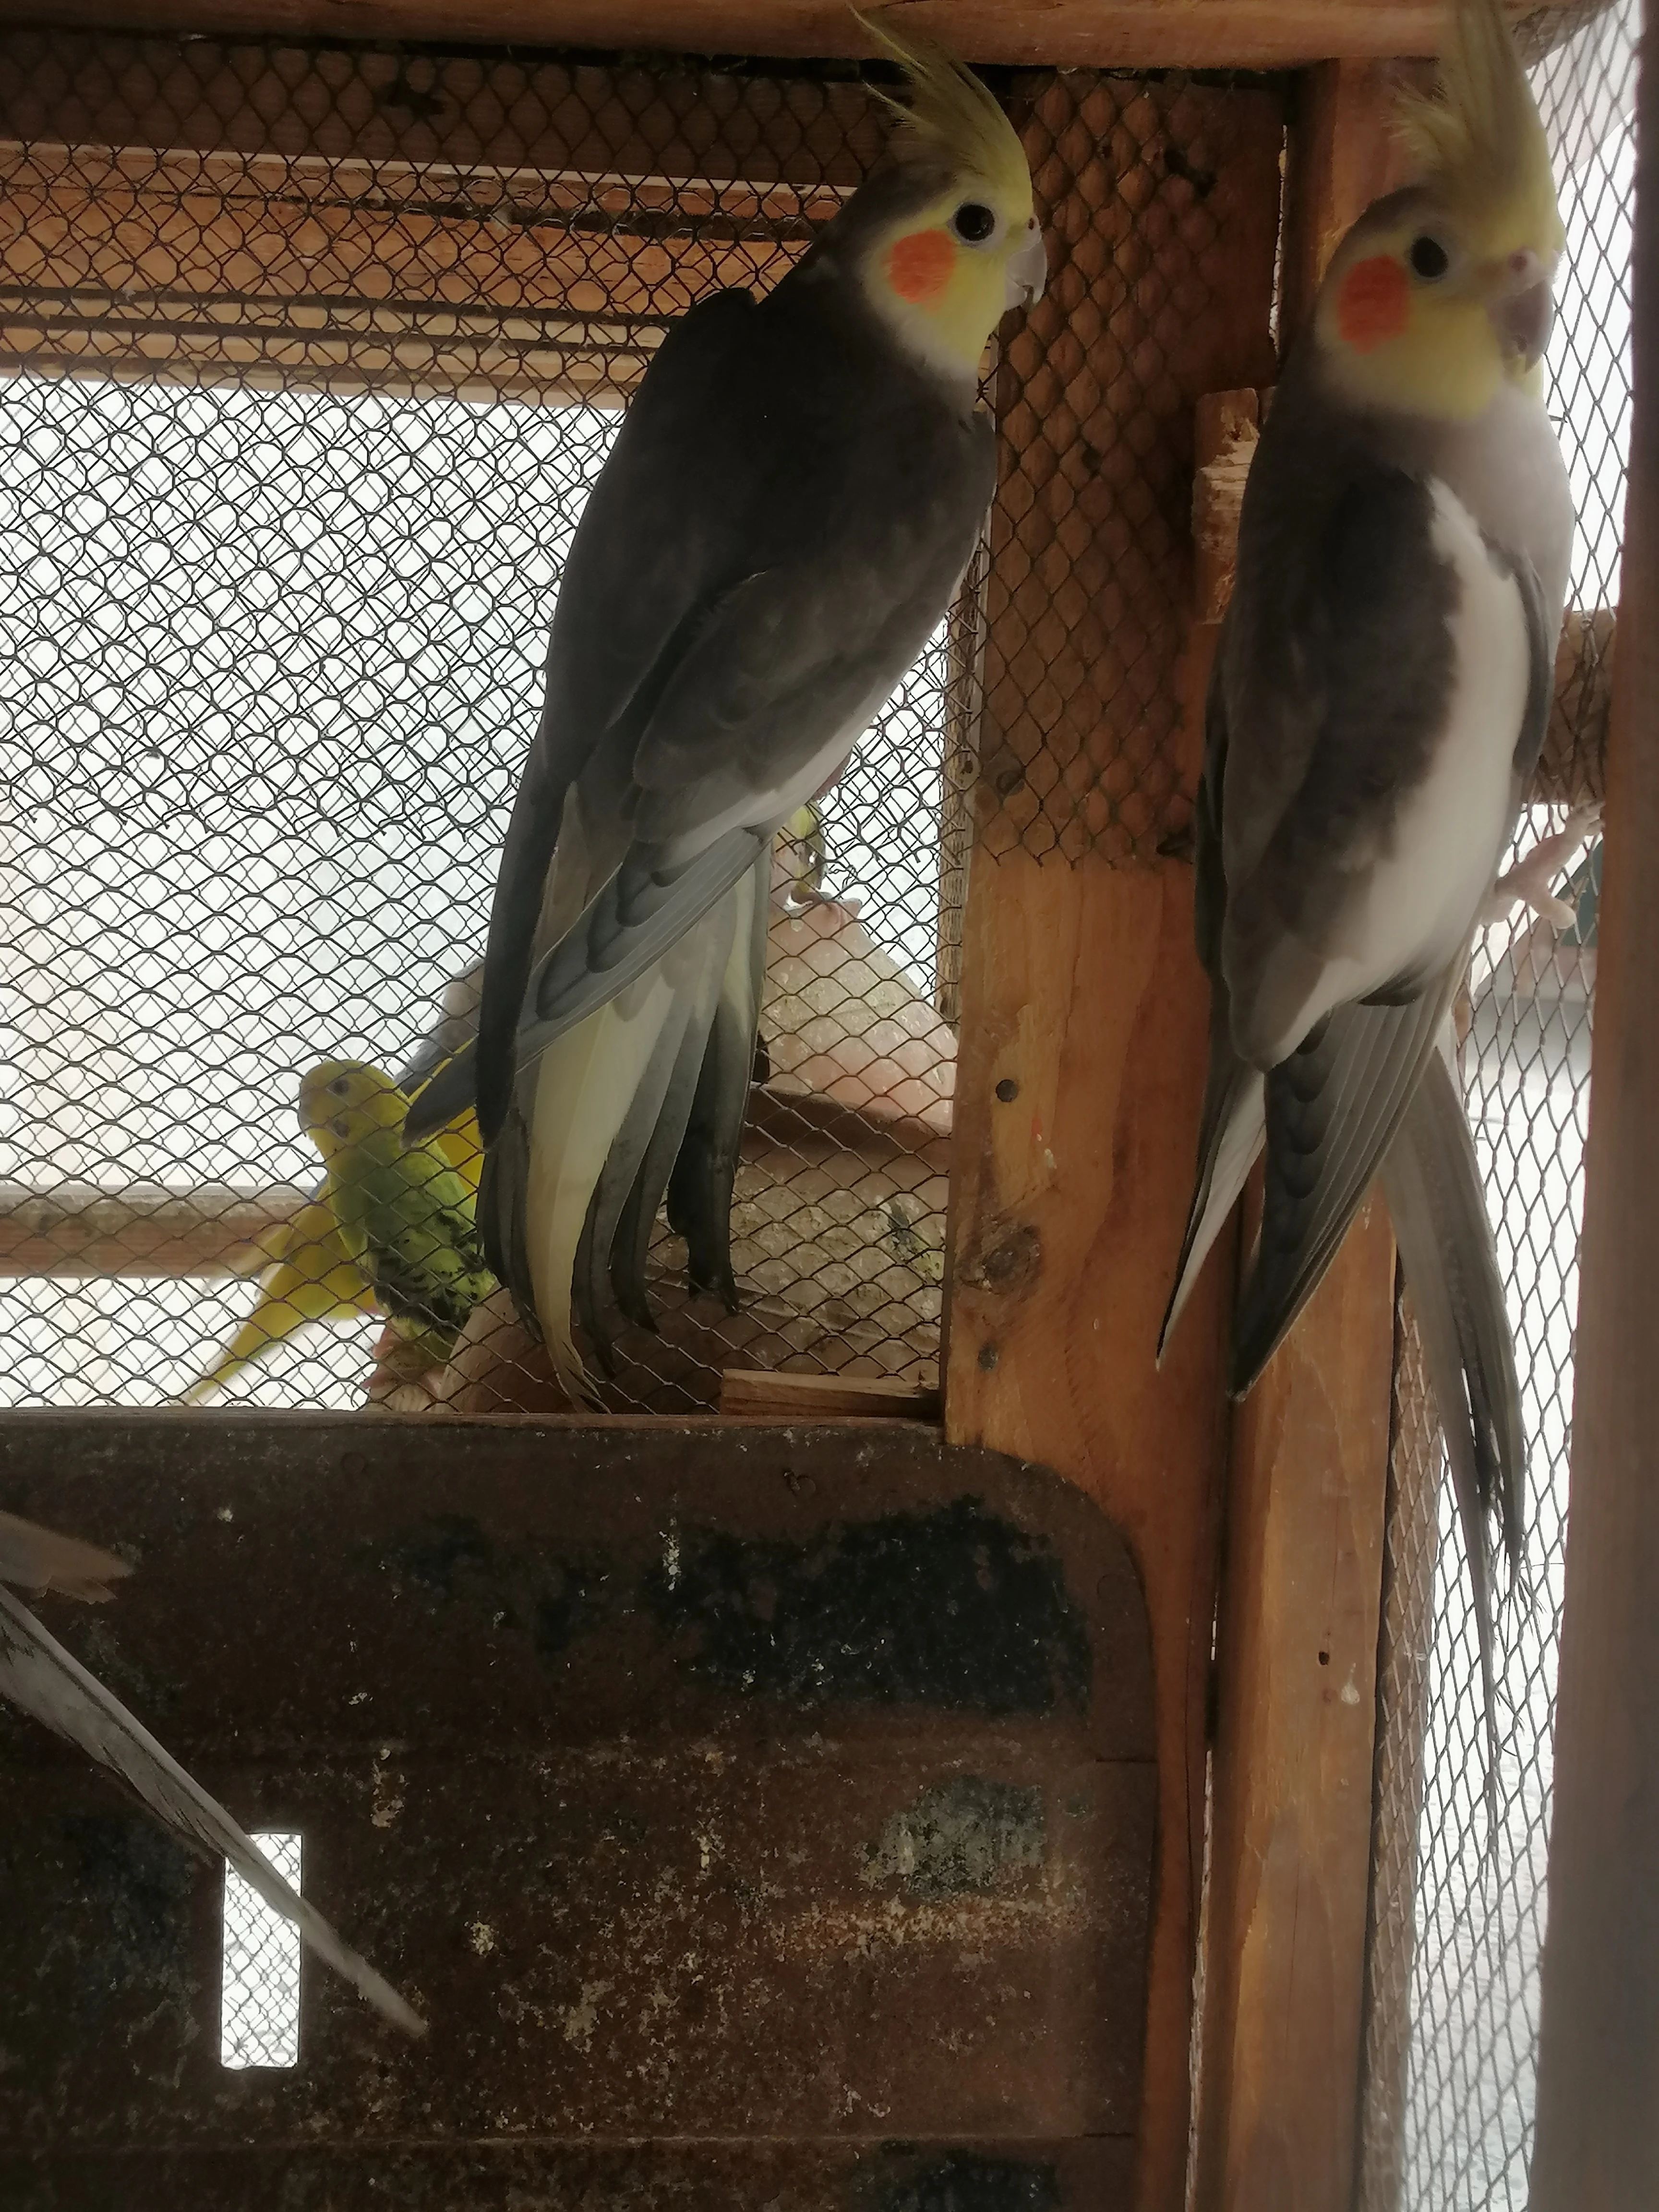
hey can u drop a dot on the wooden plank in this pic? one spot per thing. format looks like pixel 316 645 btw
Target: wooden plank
pixel 1297 1717
pixel 460 119
pixel 1298 1632
pixel 1411 1553
pixel 753 1395
pixel 1598 2068
pixel 1116 33
pixel 1083 1035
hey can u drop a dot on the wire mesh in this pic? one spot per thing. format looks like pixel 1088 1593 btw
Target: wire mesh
pixel 1457 1926
pixel 312 355
pixel 260 1965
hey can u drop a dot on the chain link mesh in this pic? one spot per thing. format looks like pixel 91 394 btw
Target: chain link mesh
pixel 260 1965
pixel 1458 1912
pixel 310 357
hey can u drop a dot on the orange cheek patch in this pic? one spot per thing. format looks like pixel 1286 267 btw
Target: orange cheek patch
pixel 1375 302
pixel 919 267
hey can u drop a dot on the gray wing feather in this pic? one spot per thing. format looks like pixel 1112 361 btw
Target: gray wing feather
pixel 1231 1130
pixel 631 923
pixel 39 1675
pixel 1332 1111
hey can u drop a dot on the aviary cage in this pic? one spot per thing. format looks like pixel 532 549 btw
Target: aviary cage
pixel 311 350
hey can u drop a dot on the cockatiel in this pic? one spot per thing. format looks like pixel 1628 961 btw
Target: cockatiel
pixel 1379 697
pixel 38 1675
pixel 405 1214
pixel 794 493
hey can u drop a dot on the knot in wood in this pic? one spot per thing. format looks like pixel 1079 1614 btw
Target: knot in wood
pixel 1008 1257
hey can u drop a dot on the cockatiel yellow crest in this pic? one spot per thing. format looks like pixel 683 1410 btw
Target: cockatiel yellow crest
pixel 1441 293
pixel 943 274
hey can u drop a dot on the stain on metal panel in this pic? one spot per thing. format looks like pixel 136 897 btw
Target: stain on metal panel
pixel 761 1818
pixel 955 1608
pixel 965 2181
pixel 966 1835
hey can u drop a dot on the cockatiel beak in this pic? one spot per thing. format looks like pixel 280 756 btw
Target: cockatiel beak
pixel 1521 306
pixel 1027 270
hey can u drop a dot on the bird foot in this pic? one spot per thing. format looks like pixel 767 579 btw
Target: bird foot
pixel 1528 883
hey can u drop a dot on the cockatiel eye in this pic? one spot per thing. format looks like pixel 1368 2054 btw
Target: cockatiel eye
pixel 1429 259
pixel 340 1085
pixel 974 222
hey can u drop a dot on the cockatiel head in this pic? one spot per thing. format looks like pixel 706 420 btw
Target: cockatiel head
pixel 942 238
pixel 1441 292
pixel 345 1102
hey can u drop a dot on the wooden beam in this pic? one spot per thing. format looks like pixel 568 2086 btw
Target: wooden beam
pixel 76 1229
pixel 1083 1030
pixel 181 212
pixel 1411 1546
pixel 1598 2069
pixel 1296 1644
pixel 1075 34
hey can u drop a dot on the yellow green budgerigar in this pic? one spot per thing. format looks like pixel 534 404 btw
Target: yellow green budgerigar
pixel 312 1272
pixel 404 1212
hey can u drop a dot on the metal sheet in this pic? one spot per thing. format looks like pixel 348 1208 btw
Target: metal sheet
pixel 738 1804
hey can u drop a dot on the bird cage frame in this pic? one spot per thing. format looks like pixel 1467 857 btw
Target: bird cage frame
pixel 220 212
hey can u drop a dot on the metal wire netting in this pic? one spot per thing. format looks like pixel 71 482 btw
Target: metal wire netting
pixel 312 354
pixel 1457 1927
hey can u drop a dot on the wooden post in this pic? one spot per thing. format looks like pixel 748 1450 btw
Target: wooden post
pixel 1598 2074
pixel 1297 1641
pixel 1084 1007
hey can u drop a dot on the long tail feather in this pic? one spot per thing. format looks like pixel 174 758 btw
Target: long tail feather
pixel 700 1189
pixel 1431 1181
pixel 39 1675
pixel 37 1558
pixel 630 1241
pixel 693 973
pixel 1333 1109
pixel 583 1085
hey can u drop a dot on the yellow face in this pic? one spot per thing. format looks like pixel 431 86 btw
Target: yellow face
pixel 1432 314
pixel 946 274
pixel 342 1101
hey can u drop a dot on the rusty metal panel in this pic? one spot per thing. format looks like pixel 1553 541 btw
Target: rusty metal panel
pixel 763 1817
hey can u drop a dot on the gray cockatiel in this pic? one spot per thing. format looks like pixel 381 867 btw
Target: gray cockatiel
pixel 1379 697
pixel 38 1675
pixel 794 493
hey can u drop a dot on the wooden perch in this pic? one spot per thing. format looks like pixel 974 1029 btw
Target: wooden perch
pixel 1571 766
pixel 76 1229
pixel 755 1395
